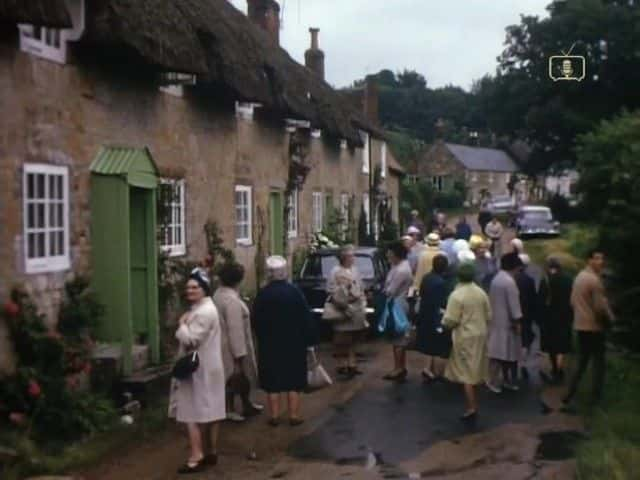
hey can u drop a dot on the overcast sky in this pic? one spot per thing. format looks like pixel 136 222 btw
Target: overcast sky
pixel 448 41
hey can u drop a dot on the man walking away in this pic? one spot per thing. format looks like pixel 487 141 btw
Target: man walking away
pixel 592 317
pixel 504 331
pixel 463 230
pixel 528 304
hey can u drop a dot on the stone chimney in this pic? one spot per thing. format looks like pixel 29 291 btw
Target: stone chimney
pixel 439 130
pixel 314 57
pixel 370 103
pixel 266 14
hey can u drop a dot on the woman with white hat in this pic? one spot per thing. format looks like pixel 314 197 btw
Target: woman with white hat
pixel 282 320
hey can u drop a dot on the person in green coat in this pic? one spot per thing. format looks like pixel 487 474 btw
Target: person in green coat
pixel 467 315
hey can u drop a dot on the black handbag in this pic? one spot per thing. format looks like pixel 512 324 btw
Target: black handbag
pixel 186 365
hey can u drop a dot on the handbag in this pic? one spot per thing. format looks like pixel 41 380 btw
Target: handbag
pixel 317 376
pixel 331 313
pixel 186 365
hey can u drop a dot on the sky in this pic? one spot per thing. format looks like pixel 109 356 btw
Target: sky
pixel 447 41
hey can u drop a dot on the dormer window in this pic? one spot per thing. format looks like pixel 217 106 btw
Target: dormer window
pixel 173 82
pixel 49 43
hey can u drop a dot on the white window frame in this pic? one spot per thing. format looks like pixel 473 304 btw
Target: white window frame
pixel 344 207
pixel 172 246
pixel 437 181
pixel 367 211
pixel 48 262
pixel 292 226
pixel 365 152
pixel 248 239
pixel 490 177
pixel 474 176
pixel 383 160
pixel 40 45
pixel 317 214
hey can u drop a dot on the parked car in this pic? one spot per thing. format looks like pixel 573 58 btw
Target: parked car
pixel 536 221
pixel 502 204
pixel 315 271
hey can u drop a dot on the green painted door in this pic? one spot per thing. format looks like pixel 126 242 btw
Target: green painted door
pixel 139 248
pixel 276 230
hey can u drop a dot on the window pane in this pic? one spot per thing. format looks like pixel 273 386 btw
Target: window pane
pixel 52 208
pixel 40 215
pixel 60 215
pixel 61 243
pixel 31 186
pixel 31 245
pixel 52 186
pixel 53 249
pixel 39 186
pixel 40 251
pixel 59 187
pixel 31 215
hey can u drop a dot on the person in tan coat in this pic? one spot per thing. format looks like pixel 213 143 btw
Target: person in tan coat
pixel 425 262
pixel 238 352
pixel 592 316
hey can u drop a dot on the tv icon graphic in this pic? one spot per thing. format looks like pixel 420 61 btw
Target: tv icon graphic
pixel 567 67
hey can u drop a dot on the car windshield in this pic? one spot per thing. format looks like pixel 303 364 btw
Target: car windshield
pixel 501 199
pixel 321 266
pixel 538 215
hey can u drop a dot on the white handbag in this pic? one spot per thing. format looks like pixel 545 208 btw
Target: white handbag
pixel 317 376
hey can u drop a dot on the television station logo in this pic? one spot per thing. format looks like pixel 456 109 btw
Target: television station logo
pixel 567 67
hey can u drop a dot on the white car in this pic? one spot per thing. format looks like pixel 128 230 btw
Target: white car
pixel 536 221
pixel 502 204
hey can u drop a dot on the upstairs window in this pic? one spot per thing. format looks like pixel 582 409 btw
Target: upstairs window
pixel 49 43
pixel 438 183
pixel 243 205
pixel 365 152
pixel 46 218
pixel 172 217
pixel 292 227
pixel 316 211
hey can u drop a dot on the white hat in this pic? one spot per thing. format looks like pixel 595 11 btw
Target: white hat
pixel 460 245
pixel 517 245
pixel 465 256
pixel 433 239
pixel 277 267
pixel 413 230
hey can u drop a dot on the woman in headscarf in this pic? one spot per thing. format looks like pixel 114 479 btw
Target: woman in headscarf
pixel 467 315
pixel 346 292
pixel 396 288
pixel 238 354
pixel 282 320
pixel 431 339
pixel 557 319
pixel 199 401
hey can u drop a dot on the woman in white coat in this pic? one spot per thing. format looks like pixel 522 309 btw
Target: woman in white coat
pixel 200 401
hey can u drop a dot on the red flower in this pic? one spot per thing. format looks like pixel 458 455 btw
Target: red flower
pixel 11 309
pixel 17 418
pixel 34 389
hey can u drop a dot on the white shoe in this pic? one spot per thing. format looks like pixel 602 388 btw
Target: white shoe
pixel 511 387
pixel 235 417
pixel 493 388
pixel 257 406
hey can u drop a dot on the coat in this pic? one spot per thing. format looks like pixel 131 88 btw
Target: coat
pixel 396 288
pixel 282 320
pixel 557 315
pixel 200 399
pixel 434 292
pixel 463 231
pixel 528 305
pixel 468 314
pixel 589 301
pixel 425 264
pixel 349 280
pixel 237 337
pixel 504 341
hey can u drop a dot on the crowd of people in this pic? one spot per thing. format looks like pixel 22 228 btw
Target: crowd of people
pixel 472 314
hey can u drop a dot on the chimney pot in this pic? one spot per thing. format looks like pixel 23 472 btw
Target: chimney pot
pixel 314 57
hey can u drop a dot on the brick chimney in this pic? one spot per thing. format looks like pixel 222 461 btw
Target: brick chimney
pixel 266 14
pixel 314 57
pixel 370 103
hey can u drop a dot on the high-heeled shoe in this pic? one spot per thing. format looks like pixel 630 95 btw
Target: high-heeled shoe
pixel 401 376
pixel 469 417
pixel 196 467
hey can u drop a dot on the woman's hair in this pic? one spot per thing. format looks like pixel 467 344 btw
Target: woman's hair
pixel 466 272
pixel 398 249
pixel 440 264
pixel 231 274
pixel 344 251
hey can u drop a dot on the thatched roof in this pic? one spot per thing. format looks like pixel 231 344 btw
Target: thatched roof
pixel 49 13
pixel 219 43
pixel 214 40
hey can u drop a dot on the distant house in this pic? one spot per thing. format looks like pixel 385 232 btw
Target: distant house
pixel 113 112
pixel 481 170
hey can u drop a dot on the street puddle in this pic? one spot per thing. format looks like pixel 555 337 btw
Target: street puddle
pixel 555 446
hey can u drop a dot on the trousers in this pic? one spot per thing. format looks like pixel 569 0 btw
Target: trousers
pixel 591 346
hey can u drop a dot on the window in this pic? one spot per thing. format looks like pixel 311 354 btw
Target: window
pixel 344 207
pixel 316 220
pixel 171 208
pixel 46 218
pixel 44 42
pixel 474 177
pixel 438 183
pixel 292 202
pixel 490 177
pixel 243 215
pixel 320 266
pixel 365 152
pixel 383 160
pixel 365 206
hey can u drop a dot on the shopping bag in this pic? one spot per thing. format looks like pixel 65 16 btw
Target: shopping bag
pixel 317 376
